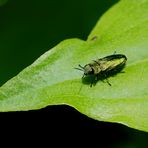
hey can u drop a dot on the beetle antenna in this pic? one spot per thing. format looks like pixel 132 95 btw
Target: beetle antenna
pixel 81 66
pixel 78 69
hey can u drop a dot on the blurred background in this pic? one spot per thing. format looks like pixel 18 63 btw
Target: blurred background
pixel 28 28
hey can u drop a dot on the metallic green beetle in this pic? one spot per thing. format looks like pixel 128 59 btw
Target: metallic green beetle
pixel 104 66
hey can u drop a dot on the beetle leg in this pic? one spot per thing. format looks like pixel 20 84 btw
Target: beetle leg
pixel 83 76
pixel 122 72
pixel 108 82
pixel 91 84
pixel 96 77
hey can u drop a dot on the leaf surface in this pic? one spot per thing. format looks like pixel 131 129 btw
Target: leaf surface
pixel 52 79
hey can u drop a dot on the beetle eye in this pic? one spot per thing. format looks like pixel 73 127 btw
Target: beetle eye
pixel 91 71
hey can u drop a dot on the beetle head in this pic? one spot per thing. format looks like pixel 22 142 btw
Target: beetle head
pixel 88 70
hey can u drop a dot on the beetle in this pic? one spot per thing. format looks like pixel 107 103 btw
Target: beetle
pixel 104 67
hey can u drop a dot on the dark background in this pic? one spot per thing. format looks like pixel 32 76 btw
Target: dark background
pixel 28 28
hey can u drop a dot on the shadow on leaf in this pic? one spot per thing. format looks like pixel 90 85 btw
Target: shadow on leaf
pixel 103 76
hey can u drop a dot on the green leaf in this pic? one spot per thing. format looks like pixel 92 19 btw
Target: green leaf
pixel 52 79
